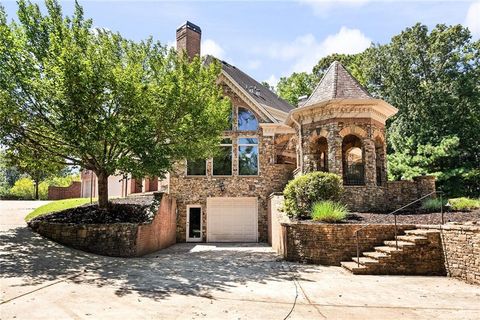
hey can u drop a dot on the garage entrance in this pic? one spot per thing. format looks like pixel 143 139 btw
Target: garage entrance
pixel 232 219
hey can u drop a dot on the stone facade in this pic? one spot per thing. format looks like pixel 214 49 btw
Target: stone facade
pixel 194 190
pixel 117 239
pixel 461 247
pixel 58 193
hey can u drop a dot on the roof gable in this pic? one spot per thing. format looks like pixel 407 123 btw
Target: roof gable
pixel 337 83
pixel 253 88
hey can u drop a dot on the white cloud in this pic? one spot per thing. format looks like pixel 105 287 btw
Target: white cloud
pixel 305 51
pixel 472 21
pixel 211 47
pixel 321 7
pixel 254 64
pixel 272 81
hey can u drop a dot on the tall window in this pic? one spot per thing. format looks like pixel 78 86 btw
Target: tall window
pixel 352 158
pixel 246 120
pixel 222 162
pixel 247 156
pixel 196 168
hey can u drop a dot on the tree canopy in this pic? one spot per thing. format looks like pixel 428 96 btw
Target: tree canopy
pixel 433 78
pixel 89 97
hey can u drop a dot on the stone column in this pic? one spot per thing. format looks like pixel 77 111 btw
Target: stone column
pixel 334 141
pixel 425 185
pixel 369 162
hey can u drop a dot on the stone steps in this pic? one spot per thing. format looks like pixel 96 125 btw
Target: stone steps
pixel 387 259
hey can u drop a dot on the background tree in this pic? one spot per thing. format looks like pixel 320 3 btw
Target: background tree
pixel 29 161
pixel 433 78
pixel 93 99
pixel 298 84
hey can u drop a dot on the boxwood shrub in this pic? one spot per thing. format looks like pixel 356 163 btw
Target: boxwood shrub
pixel 302 192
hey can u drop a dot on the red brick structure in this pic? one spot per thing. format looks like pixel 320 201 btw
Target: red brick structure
pixel 58 193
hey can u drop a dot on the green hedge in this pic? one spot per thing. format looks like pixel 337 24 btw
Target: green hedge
pixel 302 192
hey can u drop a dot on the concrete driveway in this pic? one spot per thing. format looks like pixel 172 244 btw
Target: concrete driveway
pixel 44 280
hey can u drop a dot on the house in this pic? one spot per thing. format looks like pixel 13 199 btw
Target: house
pixel 340 128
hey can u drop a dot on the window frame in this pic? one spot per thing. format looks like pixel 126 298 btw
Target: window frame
pixel 248 145
pixel 232 156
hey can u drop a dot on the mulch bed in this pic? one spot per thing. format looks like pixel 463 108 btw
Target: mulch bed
pixel 129 210
pixel 409 218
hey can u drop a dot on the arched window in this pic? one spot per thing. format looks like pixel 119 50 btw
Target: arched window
pixel 322 154
pixel 246 120
pixel 379 161
pixel 352 160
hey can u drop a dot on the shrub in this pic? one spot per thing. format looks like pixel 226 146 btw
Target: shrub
pixel 23 189
pixel 432 204
pixel 302 192
pixel 464 204
pixel 329 211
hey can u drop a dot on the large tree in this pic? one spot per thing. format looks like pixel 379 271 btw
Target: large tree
pixel 433 78
pixel 88 97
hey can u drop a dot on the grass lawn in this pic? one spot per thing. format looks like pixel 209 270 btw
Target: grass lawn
pixel 58 205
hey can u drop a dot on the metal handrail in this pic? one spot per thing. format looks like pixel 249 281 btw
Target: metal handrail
pixel 394 213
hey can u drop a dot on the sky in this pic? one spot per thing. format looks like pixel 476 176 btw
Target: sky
pixel 272 39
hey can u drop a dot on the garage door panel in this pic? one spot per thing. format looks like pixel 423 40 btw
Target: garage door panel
pixel 232 219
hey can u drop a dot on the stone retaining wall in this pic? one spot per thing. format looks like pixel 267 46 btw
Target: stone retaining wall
pixel 117 239
pixel 393 195
pixel 461 248
pixel 329 244
pixel 59 193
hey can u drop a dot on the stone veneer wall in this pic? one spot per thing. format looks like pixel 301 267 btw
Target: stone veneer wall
pixel 194 190
pixel 461 248
pixel 327 244
pixel 393 196
pixel 58 193
pixel 117 239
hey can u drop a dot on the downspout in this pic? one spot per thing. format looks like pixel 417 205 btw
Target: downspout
pixel 300 140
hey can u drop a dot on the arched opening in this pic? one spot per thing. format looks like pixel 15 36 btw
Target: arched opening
pixel 380 161
pixel 321 154
pixel 353 161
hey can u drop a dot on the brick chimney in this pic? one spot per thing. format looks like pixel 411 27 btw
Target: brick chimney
pixel 188 39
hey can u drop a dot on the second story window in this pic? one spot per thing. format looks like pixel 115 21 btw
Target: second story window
pixel 247 156
pixel 196 168
pixel 222 162
pixel 246 120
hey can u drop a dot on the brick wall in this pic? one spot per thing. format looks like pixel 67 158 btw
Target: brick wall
pixel 117 239
pixel 461 247
pixel 58 193
pixel 161 232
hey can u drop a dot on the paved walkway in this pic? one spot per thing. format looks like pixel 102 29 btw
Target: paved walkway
pixel 44 280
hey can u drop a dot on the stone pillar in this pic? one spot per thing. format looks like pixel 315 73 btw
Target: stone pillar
pixel 369 162
pixel 425 185
pixel 335 153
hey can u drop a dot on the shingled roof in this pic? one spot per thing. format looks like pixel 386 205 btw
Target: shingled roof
pixel 257 91
pixel 337 83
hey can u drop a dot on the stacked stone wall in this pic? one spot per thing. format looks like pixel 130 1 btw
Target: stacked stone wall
pixel 461 248
pixel 116 239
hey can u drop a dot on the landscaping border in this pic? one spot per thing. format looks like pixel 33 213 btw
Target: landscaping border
pixel 116 239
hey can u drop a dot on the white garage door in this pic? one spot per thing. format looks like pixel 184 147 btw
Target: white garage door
pixel 232 219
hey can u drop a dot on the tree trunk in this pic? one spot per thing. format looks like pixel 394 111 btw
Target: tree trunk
pixel 102 189
pixel 36 190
